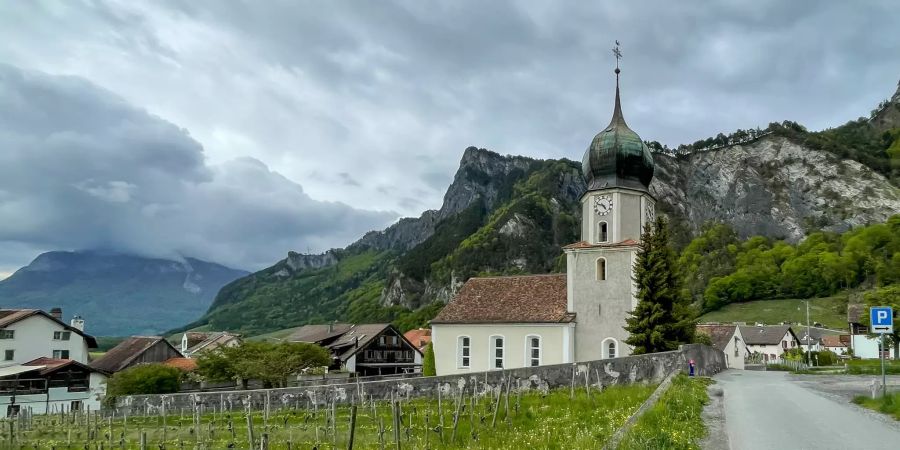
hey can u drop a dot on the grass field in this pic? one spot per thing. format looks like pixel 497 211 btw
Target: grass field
pixel 674 422
pixel 274 336
pixel 872 367
pixel 889 405
pixel 829 311
pixel 531 420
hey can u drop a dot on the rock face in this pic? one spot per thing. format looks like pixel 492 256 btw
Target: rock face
pixel 118 295
pixel 774 187
pixel 481 175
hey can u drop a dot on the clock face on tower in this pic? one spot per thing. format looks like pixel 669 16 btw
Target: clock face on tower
pixel 603 205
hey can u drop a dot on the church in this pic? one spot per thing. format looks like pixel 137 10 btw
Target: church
pixel 520 321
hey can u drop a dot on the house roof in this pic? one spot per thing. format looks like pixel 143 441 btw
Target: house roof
pixel 50 365
pixel 834 340
pixel 196 337
pixel 585 244
pixel 816 333
pixel 120 356
pixel 854 312
pixel 420 337
pixel 720 335
pixel 185 364
pixel 213 341
pixel 319 333
pixel 516 299
pixel 765 335
pixel 343 344
pixel 11 316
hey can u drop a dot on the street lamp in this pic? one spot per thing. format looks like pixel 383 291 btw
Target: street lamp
pixel 808 336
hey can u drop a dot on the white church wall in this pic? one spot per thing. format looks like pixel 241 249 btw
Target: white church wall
pixel 444 338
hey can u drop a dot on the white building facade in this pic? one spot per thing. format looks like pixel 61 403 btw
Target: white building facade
pixel 28 334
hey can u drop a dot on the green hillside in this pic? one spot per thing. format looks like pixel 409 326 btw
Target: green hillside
pixel 830 312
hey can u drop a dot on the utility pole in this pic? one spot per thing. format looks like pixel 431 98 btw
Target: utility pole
pixel 808 337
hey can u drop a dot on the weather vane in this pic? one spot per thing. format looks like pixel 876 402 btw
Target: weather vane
pixel 618 54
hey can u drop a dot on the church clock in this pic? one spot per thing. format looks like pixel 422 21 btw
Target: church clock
pixel 603 205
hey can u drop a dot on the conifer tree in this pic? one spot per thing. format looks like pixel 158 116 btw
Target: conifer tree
pixel 663 318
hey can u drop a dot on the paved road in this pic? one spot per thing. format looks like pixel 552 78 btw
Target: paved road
pixel 770 410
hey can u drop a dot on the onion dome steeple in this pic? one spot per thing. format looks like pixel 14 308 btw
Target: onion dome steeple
pixel 617 157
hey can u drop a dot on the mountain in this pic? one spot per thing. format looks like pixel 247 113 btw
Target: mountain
pixel 117 294
pixel 511 214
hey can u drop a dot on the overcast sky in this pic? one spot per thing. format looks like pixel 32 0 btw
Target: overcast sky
pixel 236 131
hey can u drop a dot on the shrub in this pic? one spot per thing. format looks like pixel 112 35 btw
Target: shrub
pixel 428 367
pixel 143 379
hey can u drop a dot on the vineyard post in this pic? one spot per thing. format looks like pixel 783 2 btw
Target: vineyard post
pixel 250 430
pixel 352 427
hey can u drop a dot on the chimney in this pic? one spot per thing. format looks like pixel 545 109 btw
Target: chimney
pixel 56 313
pixel 77 323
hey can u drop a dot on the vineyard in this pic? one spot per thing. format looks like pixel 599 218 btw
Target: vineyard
pixel 502 418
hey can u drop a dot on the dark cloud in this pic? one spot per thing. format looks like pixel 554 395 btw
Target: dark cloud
pixel 83 169
pixel 391 92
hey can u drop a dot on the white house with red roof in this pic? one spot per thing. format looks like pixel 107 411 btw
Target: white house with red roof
pixel 509 322
pixel 28 334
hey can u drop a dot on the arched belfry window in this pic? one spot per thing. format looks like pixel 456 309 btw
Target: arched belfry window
pixel 601 269
pixel 602 232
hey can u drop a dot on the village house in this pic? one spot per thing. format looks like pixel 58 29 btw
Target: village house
pixel 814 337
pixel 770 342
pixel 862 345
pixel 47 385
pixel 365 349
pixel 133 351
pixel 729 339
pixel 509 322
pixel 28 334
pixel 194 343
pixel 838 344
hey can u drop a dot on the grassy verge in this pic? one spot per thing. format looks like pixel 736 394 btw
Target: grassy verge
pixel 674 422
pixel 829 311
pixel 533 420
pixel 889 405
pixel 872 367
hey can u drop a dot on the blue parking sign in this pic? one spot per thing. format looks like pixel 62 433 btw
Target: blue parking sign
pixel 881 319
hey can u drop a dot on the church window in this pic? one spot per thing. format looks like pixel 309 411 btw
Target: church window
pixel 601 269
pixel 463 350
pixel 609 348
pixel 497 352
pixel 602 235
pixel 533 349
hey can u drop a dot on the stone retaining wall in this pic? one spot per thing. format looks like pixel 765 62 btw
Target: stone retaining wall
pixel 630 369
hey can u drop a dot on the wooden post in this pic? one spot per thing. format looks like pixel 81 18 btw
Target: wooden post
pixel 264 442
pixel 440 408
pixel 250 430
pixel 352 427
pixel 143 440
pixel 572 389
pixel 456 419
pixel 397 424
pixel 497 405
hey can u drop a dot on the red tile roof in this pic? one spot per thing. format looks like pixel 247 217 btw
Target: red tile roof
pixel 833 340
pixel 719 335
pixel 420 338
pixel 185 364
pixel 517 299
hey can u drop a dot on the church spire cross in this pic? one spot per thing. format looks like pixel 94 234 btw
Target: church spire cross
pixel 617 112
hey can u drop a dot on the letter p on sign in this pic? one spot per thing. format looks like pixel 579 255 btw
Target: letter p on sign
pixel 882 319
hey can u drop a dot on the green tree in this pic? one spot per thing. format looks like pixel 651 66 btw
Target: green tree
pixel 265 361
pixel 143 379
pixel 428 367
pixel 663 318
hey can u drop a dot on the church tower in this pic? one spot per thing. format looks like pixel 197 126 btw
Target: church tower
pixel 617 168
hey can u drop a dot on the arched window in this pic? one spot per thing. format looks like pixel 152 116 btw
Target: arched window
pixel 463 352
pixel 602 232
pixel 532 350
pixel 497 352
pixel 610 348
pixel 601 269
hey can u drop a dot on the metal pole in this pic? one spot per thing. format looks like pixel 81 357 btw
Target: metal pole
pixel 808 337
pixel 883 378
